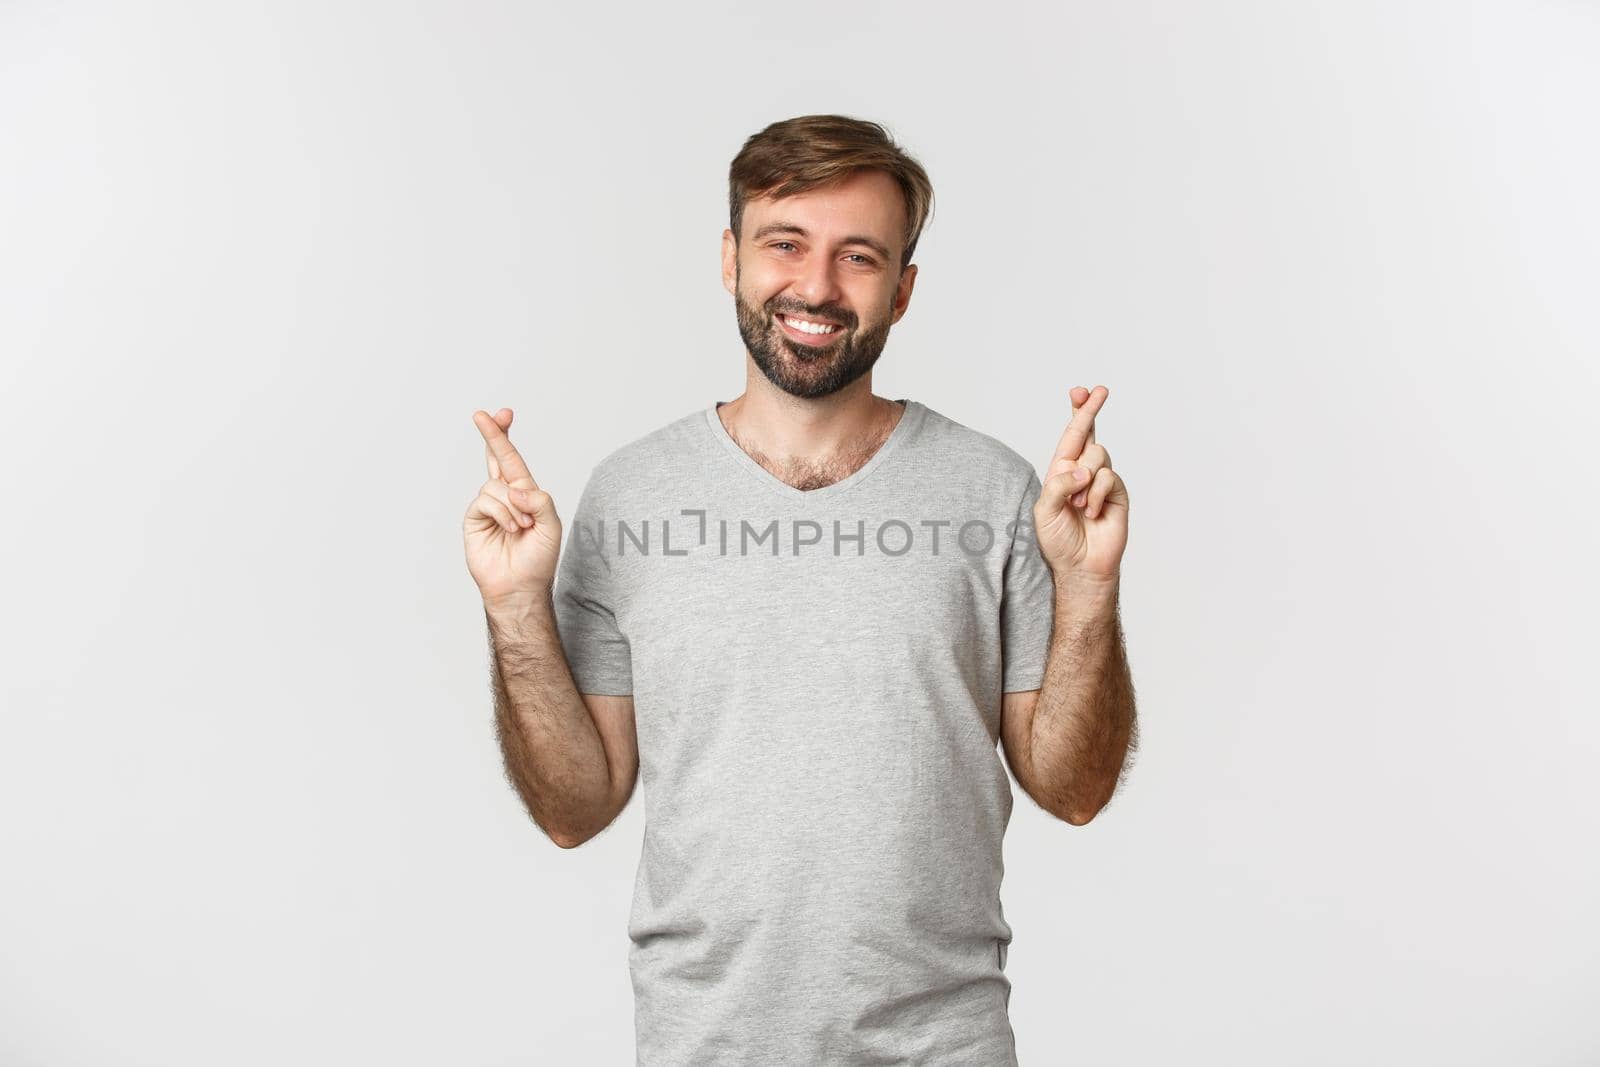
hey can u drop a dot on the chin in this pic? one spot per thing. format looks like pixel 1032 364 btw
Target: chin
pixel 808 359
pixel 807 354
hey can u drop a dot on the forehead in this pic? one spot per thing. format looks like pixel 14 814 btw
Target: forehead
pixel 867 202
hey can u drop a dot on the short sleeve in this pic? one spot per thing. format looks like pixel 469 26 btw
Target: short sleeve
pixel 586 606
pixel 1027 604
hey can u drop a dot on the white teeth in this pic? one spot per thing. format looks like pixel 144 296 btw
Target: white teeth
pixel 809 327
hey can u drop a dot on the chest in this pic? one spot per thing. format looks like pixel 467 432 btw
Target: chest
pixel 842 608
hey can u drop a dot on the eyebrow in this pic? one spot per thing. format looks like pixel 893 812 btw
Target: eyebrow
pixel 788 227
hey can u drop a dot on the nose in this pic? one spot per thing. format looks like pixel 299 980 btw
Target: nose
pixel 816 283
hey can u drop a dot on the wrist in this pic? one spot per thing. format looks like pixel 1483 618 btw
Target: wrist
pixel 523 604
pixel 1086 594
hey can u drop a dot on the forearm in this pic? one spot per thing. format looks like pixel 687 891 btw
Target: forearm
pixel 553 753
pixel 1084 722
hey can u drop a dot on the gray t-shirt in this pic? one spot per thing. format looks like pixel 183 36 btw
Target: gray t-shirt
pixel 816 679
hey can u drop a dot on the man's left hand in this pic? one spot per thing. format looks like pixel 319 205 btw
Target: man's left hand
pixel 1081 516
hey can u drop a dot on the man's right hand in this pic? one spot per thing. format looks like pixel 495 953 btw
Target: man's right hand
pixel 513 533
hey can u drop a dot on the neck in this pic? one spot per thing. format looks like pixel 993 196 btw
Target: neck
pixel 782 424
pixel 809 441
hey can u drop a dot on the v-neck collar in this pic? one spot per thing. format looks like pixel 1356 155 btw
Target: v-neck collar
pixel 910 419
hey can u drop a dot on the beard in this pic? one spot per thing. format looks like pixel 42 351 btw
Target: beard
pixel 802 370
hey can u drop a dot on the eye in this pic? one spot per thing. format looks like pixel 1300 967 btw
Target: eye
pixel 775 244
pixel 866 261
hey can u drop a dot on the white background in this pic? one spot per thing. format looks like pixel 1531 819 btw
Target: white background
pixel 1337 264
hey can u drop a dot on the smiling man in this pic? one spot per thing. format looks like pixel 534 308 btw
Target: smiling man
pixel 815 351
pixel 806 619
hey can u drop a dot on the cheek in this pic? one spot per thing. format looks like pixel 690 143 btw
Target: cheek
pixel 756 294
pixel 874 303
pixel 758 280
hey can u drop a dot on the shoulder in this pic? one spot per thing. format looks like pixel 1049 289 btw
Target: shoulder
pixel 651 459
pixel 983 455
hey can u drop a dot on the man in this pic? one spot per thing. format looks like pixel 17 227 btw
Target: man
pixel 808 615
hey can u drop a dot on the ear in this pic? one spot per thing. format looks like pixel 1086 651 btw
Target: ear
pixel 730 262
pixel 902 292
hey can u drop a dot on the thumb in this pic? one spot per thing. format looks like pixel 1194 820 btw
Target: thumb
pixel 1053 496
pixel 535 502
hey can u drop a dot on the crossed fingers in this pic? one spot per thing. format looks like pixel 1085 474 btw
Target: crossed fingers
pixel 505 462
pixel 510 481
pixel 1078 448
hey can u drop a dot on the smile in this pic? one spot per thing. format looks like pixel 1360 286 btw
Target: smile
pixel 806 329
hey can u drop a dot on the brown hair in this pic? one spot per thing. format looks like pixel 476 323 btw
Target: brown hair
pixel 799 154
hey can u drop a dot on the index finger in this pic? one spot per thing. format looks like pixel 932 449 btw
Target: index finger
pixel 512 470
pixel 1081 429
pixel 1076 402
pixel 488 453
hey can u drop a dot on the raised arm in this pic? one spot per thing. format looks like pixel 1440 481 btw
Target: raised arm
pixel 1069 740
pixel 572 758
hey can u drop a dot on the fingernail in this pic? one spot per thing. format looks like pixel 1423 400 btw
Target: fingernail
pixel 1079 474
pixel 526 520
